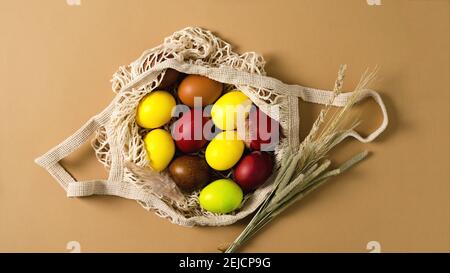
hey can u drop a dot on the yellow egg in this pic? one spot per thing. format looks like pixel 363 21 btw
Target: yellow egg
pixel 225 111
pixel 160 148
pixel 155 109
pixel 221 196
pixel 224 151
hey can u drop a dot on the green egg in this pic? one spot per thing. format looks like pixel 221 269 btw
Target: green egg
pixel 221 196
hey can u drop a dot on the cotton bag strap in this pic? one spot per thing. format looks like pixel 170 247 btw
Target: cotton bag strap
pixel 115 186
pixel 323 97
pixel 112 186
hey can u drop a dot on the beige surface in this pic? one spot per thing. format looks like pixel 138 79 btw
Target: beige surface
pixel 55 58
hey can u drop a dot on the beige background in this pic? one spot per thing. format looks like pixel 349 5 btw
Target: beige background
pixel 56 61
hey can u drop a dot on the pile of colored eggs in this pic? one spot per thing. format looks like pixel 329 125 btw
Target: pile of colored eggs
pixel 180 149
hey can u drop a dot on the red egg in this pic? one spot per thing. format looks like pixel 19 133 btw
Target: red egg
pixel 188 131
pixel 264 131
pixel 253 170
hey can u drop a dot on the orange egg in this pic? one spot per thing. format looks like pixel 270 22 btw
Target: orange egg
pixel 199 86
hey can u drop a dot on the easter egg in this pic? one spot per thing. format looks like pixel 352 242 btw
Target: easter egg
pixel 253 170
pixel 170 78
pixel 201 87
pixel 155 109
pixel 160 148
pixel 187 131
pixel 221 196
pixel 264 131
pixel 224 151
pixel 225 111
pixel 189 172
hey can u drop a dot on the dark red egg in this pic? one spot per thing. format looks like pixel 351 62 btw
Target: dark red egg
pixel 188 131
pixel 253 170
pixel 264 132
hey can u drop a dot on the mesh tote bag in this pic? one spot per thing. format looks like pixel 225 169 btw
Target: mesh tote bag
pixel 117 139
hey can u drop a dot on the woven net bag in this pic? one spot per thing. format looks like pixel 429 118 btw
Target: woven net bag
pixel 118 139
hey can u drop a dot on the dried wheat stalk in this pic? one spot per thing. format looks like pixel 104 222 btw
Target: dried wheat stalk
pixel 306 168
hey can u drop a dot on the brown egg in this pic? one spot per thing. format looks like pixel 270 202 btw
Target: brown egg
pixel 189 172
pixel 169 79
pixel 199 86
